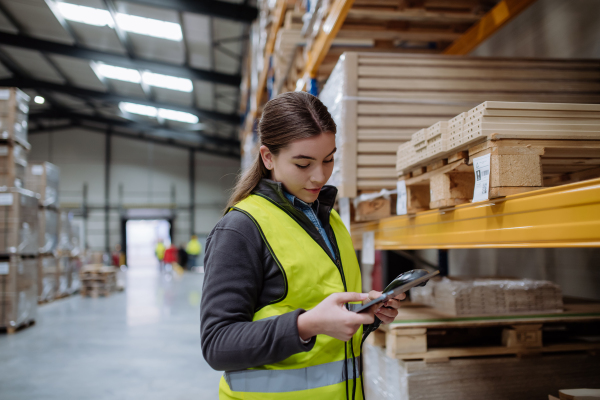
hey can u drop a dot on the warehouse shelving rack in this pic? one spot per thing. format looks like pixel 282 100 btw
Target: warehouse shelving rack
pixel 563 216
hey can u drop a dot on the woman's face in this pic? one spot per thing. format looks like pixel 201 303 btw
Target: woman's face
pixel 304 166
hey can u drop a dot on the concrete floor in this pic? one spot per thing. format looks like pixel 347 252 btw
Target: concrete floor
pixel 143 343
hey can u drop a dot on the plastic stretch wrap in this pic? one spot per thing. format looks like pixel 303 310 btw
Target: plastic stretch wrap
pixel 48 230
pixel 13 164
pixel 43 178
pixel 65 245
pixel 489 296
pixel 332 97
pixel 14 110
pixel 18 291
pixel 65 276
pixel 384 377
pixel 18 221
pixel 74 282
pixel 75 240
pixel 47 278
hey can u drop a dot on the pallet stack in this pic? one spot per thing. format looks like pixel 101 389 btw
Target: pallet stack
pixel 531 146
pixel 379 100
pixel 18 217
pixel 68 253
pixel 43 178
pixel 98 280
pixel 428 354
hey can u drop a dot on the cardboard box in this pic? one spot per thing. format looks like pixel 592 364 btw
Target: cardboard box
pixel 43 178
pixel 14 111
pixel 18 290
pixel 13 165
pixel 18 221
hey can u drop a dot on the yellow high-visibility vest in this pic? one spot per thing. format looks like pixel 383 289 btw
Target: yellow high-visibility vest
pixel 310 276
pixel 193 247
pixel 160 251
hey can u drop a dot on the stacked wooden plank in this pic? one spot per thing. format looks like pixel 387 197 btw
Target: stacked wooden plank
pixel 468 297
pixel 97 280
pixel 379 100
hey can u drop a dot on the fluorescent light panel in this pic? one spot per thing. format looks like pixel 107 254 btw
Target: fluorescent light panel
pixel 129 23
pixel 149 78
pixel 153 112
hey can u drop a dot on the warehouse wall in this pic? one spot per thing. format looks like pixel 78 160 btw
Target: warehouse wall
pixel 549 28
pixel 147 173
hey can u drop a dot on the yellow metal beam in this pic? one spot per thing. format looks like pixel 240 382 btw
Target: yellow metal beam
pixel 503 12
pixel 334 21
pixel 563 216
pixel 280 9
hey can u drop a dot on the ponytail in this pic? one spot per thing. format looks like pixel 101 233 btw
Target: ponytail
pixel 247 181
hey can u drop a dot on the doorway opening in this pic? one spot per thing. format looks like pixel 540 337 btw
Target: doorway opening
pixel 141 237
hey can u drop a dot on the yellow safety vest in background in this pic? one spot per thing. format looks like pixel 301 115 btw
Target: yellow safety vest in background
pixel 310 276
pixel 193 247
pixel 160 251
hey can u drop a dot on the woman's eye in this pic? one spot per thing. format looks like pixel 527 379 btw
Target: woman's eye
pixel 302 166
pixel 328 161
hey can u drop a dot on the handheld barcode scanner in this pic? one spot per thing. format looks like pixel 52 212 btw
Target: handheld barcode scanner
pixel 402 283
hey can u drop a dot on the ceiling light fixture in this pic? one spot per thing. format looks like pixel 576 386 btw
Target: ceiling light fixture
pixel 147 77
pixel 153 112
pixel 120 73
pixel 129 23
pixel 167 82
pixel 39 99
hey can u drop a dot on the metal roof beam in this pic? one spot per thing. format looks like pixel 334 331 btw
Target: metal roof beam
pixel 192 136
pixel 221 9
pixel 29 83
pixel 140 137
pixel 120 60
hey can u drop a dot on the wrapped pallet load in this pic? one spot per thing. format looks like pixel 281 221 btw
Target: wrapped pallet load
pixel 379 100
pixel 18 221
pixel 13 164
pixel 14 111
pixel 18 291
pixel 43 178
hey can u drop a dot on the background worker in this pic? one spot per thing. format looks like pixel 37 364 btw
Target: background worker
pixel 182 255
pixel 159 251
pixel 281 272
pixel 193 250
pixel 170 256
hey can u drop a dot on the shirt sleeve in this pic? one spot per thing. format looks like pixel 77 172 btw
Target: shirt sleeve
pixel 232 284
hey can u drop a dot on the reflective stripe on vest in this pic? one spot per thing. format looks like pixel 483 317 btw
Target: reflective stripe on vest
pixel 290 380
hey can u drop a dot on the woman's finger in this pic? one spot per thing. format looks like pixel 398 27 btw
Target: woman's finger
pixel 384 318
pixel 401 296
pixel 393 303
pixel 388 312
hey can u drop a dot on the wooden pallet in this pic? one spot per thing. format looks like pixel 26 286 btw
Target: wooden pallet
pixel 14 329
pixel 422 333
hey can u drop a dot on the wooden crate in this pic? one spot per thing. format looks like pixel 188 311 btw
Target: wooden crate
pixel 43 178
pixel 14 110
pixel 13 164
pixel 18 221
pixel 18 291
pixel 379 100
pixel 371 206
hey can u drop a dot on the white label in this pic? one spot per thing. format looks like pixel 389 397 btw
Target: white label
pixel 401 204
pixel 368 248
pixel 482 178
pixel 3 150
pixel 344 203
pixel 37 169
pixel 6 199
pixel 4 268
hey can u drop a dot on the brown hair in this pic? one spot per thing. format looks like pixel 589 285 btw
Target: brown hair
pixel 288 117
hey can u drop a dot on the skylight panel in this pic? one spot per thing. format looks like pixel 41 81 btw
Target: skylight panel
pixel 167 82
pixel 129 23
pixel 153 112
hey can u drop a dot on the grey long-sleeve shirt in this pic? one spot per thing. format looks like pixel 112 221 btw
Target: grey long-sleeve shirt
pixel 242 277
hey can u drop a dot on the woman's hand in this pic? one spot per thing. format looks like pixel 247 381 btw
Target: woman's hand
pixel 331 318
pixel 387 311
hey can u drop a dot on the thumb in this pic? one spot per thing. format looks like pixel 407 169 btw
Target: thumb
pixel 341 298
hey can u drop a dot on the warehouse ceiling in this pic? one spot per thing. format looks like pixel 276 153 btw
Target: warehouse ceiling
pixel 159 70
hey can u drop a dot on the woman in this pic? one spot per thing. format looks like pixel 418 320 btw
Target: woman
pixel 280 270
